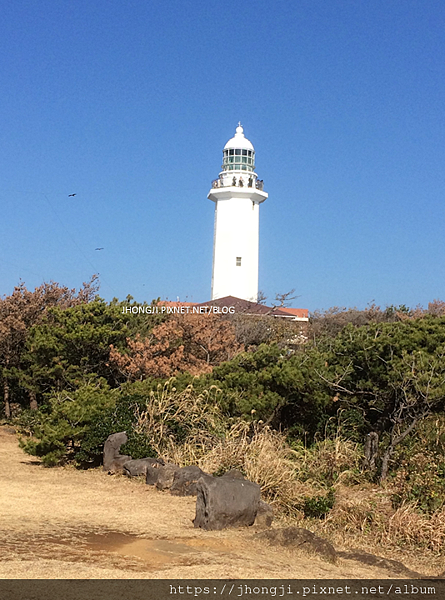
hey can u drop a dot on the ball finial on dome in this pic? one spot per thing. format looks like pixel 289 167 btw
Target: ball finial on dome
pixel 239 140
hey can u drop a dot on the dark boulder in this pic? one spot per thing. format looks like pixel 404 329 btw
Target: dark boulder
pixel 225 502
pixel 393 566
pixel 113 460
pixel 300 538
pixel 161 475
pixel 264 516
pixel 136 467
pixel 152 473
pixel 234 474
pixel 184 481
pixel 166 476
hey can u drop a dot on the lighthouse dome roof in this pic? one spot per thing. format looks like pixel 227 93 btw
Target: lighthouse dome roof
pixel 239 141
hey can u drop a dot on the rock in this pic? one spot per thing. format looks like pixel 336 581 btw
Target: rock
pixel 117 466
pixel 184 481
pixel 264 516
pixel 300 538
pixel 152 473
pixel 161 475
pixel 166 476
pixel 234 474
pixel 113 460
pixel 136 467
pixel 394 566
pixel 225 502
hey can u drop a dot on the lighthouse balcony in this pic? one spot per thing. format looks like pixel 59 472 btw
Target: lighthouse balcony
pixel 235 181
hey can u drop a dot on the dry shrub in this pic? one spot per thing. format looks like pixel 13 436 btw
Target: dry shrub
pixel 331 460
pixel 420 481
pixel 173 421
pixel 230 451
pixel 288 476
pixel 187 428
pixel 265 458
pixel 359 511
pixel 367 515
pixel 416 530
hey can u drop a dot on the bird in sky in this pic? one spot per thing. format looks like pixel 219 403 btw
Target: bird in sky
pixel 98 248
pixel 71 195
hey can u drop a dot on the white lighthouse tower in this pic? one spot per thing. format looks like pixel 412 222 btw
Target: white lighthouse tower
pixel 237 194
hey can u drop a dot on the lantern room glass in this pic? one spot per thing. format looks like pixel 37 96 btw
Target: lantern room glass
pixel 237 159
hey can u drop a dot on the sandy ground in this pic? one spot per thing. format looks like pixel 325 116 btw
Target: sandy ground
pixel 62 523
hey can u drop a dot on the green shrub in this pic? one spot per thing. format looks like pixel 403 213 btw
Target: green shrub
pixel 58 429
pixel 318 506
pixel 120 417
pixel 419 467
pixel 155 417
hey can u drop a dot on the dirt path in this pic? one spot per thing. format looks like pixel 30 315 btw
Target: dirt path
pixel 63 523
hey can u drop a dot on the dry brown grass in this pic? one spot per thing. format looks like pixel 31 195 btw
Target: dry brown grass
pixel 260 453
pixel 195 415
pixel 47 517
pixel 410 528
pixel 333 460
pixel 187 427
pixel 265 458
pixel 365 515
pixel 287 476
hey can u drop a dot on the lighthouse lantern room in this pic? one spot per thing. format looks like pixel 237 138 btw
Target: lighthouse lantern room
pixel 237 194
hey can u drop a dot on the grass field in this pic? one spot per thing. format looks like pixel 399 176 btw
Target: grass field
pixel 65 523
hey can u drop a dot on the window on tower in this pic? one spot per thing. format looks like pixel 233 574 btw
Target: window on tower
pixel 237 159
pixel 238 261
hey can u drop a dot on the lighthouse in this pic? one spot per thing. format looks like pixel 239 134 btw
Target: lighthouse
pixel 237 194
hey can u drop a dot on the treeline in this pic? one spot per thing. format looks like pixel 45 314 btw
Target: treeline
pixel 75 368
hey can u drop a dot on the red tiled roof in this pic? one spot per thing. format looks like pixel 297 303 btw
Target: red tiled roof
pixel 175 303
pixel 240 305
pixel 253 308
pixel 245 307
pixel 302 313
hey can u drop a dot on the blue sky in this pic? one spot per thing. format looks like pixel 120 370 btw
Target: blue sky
pixel 129 104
